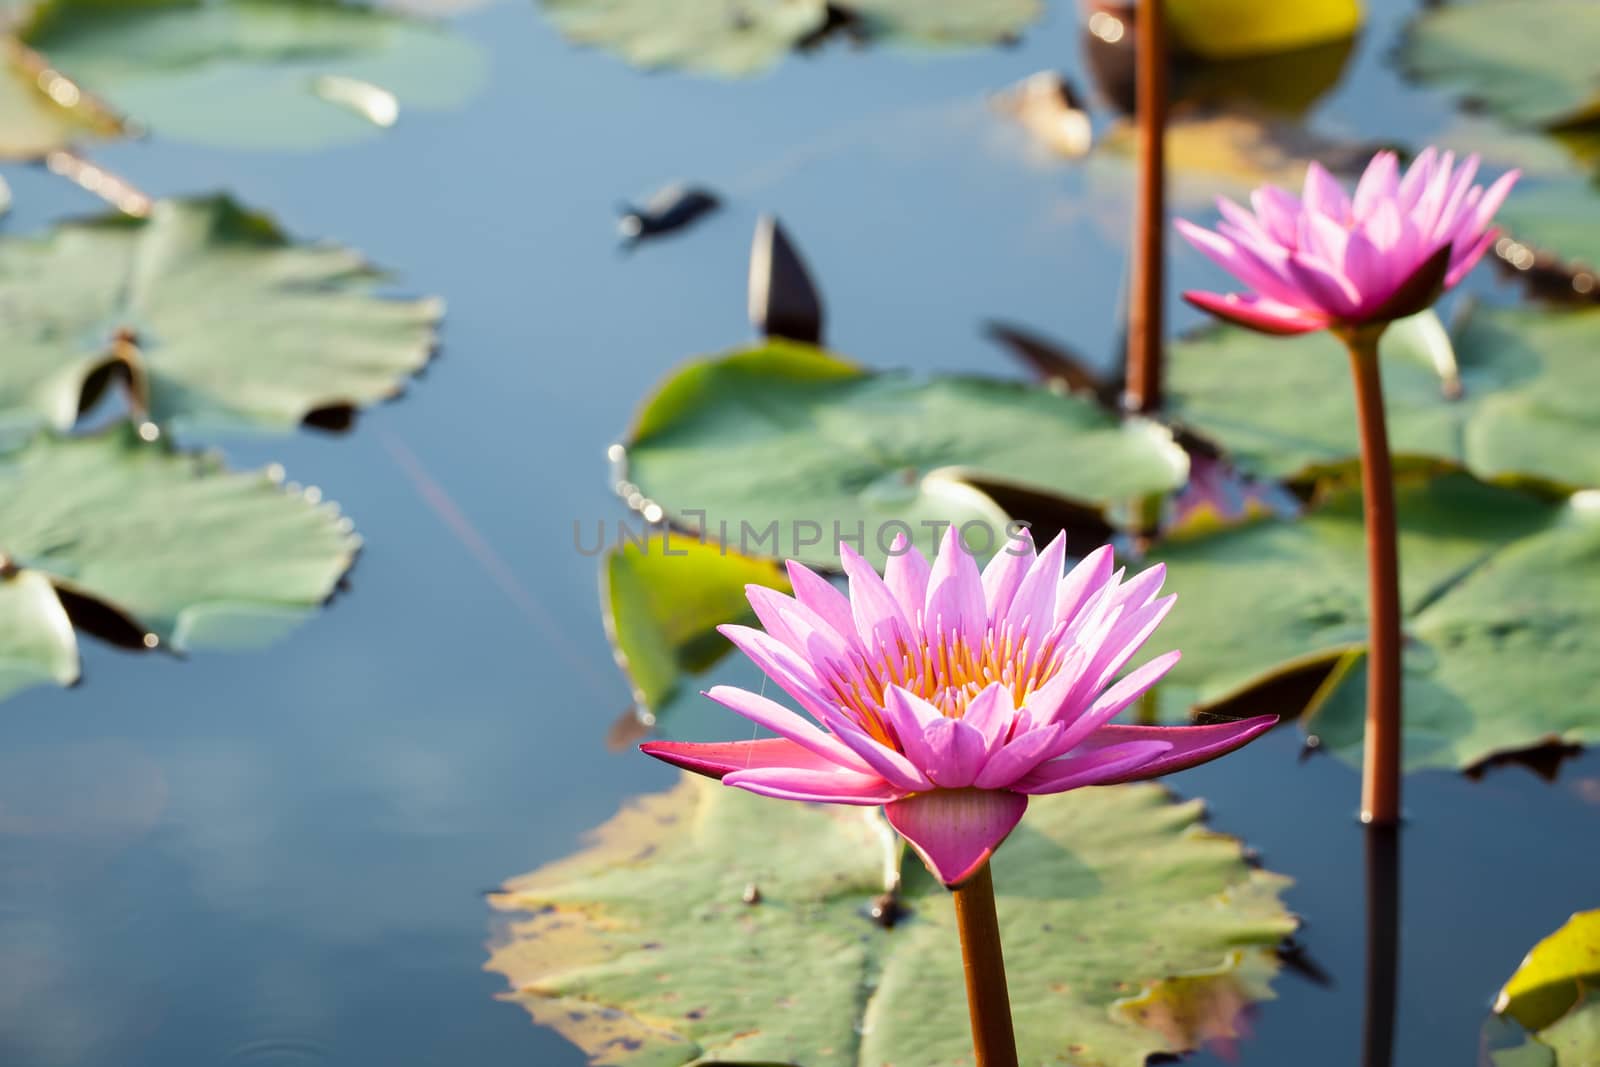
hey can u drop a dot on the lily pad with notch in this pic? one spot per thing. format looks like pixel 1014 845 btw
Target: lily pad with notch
pixel 209 313
pixel 708 924
pixel 151 547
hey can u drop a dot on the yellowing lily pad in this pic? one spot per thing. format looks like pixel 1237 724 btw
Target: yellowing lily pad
pixel 172 546
pixel 663 599
pixel 706 924
pixel 784 450
pixel 1555 994
pixel 1501 595
pixel 217 318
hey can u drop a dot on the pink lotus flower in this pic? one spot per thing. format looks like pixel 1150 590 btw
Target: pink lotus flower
pixel 1327 260
pixel 950 697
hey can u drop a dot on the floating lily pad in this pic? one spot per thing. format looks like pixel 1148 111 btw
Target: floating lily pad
pixel 1553 994
pixel 663 600
pixel 1531 61
pixel 1512 404
pixel 745 36
pixel 784 450
pixel 235 73
pixel 186 553
pixel 217 316
pixel 1558 218
pixel 1129 930
pixel 1501 594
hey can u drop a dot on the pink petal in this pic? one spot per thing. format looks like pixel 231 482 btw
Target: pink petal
pixel 1191 745
pixel 1456 197
pixel 1246 222
pixel 1383 228
pixel 1005 573
pixel 1019 756
pixel 717 759
pixel 796 625
pixel 1082 582
pixel 1279 212
pixel 1378 185
pixel 990 713
pixel 955 593
pixel 1416 178
pixel 1463 261
pixel 888 764
pixel 1035 602
pixel 1322 240
pixel 1112 763
pixel 1323 195
pixel 956 753
pixel 910 717
pixel 766 712
pixel 1493 197
pixel 1323 288
pixel 906 575
pixel 1245 264
pixel 1111 703
pixel 819 787
pixel 1264 316
pixel 1368 269
pixel 823 598
pixel 778 662
pixel 956 831
pixel 878 618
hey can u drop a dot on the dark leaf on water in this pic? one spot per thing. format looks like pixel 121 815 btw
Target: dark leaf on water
pixel 784 301
pixel 668 210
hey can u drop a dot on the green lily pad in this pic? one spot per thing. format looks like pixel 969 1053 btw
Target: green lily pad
pixel 1561 218
pixel 188 554
pixel 784 450
pixel 1129 930
pixel 287 73
pixel 1501 596
pixel 1505 401
pixel 218 317
pixel 745 36
pixel 1553 994
pixel 1531 61
pixel 662 601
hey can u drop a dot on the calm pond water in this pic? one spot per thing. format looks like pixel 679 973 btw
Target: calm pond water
pixel 279 857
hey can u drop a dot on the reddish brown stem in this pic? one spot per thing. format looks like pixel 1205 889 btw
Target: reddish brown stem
pixel 1380 779
pixel 1149 221
pixel 993 1042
